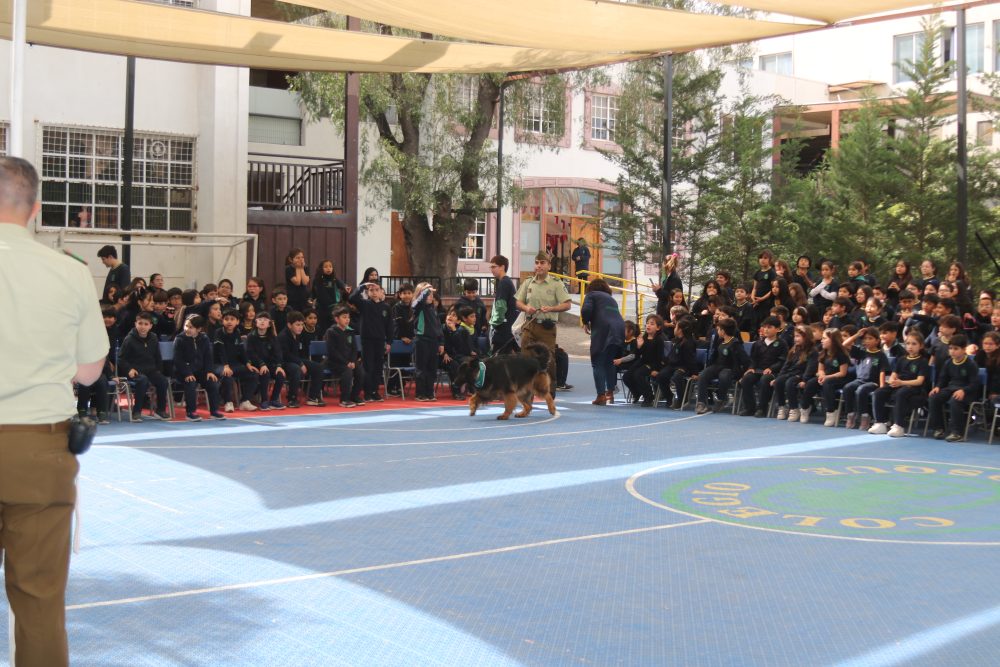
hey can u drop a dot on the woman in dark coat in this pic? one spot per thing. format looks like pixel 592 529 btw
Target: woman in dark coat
pixel 602 318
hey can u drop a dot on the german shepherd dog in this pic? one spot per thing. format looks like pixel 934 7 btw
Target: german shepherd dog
pixel 512 378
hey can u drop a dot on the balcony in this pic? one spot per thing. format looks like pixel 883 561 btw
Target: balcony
pixel 294 184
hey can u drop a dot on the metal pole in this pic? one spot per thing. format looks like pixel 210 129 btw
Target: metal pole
pixel 17 52
pixel 963 157
pixel 128 151
pixel 500 120
pixel 668 140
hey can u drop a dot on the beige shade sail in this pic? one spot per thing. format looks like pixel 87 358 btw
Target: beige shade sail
pixel 163 32
pixel 827 11
pixel 570 25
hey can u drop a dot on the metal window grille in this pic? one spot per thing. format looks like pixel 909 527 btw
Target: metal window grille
pixel 82 179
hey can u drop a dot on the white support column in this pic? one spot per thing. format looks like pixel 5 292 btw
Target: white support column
pixel 19 9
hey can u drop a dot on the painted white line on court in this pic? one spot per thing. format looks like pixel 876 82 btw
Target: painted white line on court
pixel 920 644
pixel 377 568
pixel 124 492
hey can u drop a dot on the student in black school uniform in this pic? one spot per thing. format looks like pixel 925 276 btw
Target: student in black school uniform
pixel 799 366
pixel 402 325
pixel 825 291
pixel 680 363
pixel 856 276
pixel 888 333
pixel 744 308
pixel 988 357
pixel 699 307
pixel 937 343
pixel 343 359
pixel 872 315
pixel 831 375
pixel 900 279
pixel 264 354
pixel 256 294
pixel 840 311
pixel 190 298
pixel 213 319
pixel 194 365
pixel 906 388
pixel 429 340
pixel 376 334
pixel 310 330
pixel 649 359
pixel 762 298
pixel 707 317
pixel 956 385
pixel 470 298
pixel 862 295
pixel 905 310
pixel 297 365
pixel 162 325
pixel 232 365
pixel 96 394
pixel 629 348
pixel 924 320
pixel 767 355
pixel 780 295
pixel 459 343
pixel 329 292
pixel 279 309
pixel 248 318
pixel 139 300
pixel 871 367
pixel 139 360
pixel 297 281
pixel 888 309
pixel 726 361
pixel 786 332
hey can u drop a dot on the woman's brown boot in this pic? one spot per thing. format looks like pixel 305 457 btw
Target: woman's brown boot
pixel 602 399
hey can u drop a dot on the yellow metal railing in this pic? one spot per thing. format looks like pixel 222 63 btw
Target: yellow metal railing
pixel 583 289
pixel 639 287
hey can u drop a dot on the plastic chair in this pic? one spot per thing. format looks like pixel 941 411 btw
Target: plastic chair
pixel 405 372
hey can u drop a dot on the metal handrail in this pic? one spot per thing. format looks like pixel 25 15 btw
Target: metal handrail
pixel 641 306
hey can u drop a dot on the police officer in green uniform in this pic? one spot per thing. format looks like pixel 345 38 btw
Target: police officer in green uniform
pixel 542 298
pixel 67 344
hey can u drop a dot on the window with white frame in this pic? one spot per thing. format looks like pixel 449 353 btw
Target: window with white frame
pixel 466 93
pixel 475 243
pixel 82 172
pixel 3 138
pixel 975 47
pixel 603 117
pixel 905 51
pixel 778 63
pixel 543 115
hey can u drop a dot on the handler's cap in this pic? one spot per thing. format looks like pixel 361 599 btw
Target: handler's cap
pixel 263 313
pixel 542 256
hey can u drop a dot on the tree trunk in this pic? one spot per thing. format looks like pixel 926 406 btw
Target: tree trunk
pixel 434 253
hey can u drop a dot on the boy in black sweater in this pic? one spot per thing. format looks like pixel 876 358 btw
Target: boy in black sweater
pixel 194 365
pixel 297 364
pixel 459 342
pixel 139 360
pixel 403 331
pixel 376 334
pixel 232 365
pixel 429 341
pixel 957 385
pixel 470 298
pixel 342 358
pixel 766 358
pixel 726 361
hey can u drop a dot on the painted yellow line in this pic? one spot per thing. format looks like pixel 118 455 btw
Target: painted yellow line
pixel 377 568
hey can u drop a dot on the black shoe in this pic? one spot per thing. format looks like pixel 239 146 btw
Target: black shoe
pixel 746 413
pixel 292 404
pixel 720 406
pixel 675 404
pixel 647 403
pixel 759 414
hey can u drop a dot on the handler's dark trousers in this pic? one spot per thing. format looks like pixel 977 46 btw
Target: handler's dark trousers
pixel 37 494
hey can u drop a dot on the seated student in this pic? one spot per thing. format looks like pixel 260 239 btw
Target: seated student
pixel 343 360
pixel 248 318
pixel 907 307
pixel 629 347
pixel 786 331
pixel 925 318
pixel 470 298
pixel 676 314
pixel 872 315
pixel 888 311
pixel 459 336
pixel 194 365
pixel 906 387
pixel 856 276
pixel 213 318
pixel 139 360
pixel 163 326
pixel 988 357
pixel 831 375
pixel 767 355
pixel 279 309
pixel 937 343
pixel 871 368
pixel 840 312
pixel 264 355
pixel 744 315
pixel 403 329
pixel 562 369
pixel 296 363
pixel 861 297
pixel 376 329
pixel 707 318
pixel 310 330
pixel 96 394
pixel 190 298
pixel 680 363
pixel 649 359
pixel 799 366
pixel 726 360
pixel 957 385
pixel 232 365
pixel 888 333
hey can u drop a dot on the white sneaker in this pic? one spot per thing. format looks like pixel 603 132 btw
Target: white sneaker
pixel 832 418
pixel 782 413
pixel 228 407
pixel 897 431
pixel 804 415
pixel 247 406
pixel 879 429
pixel 794 414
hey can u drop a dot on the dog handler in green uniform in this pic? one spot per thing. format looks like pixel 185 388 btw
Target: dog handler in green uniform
pixel 37 469
pixel 542 298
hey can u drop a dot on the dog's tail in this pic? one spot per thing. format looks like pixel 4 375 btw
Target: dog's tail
pixel 539 352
